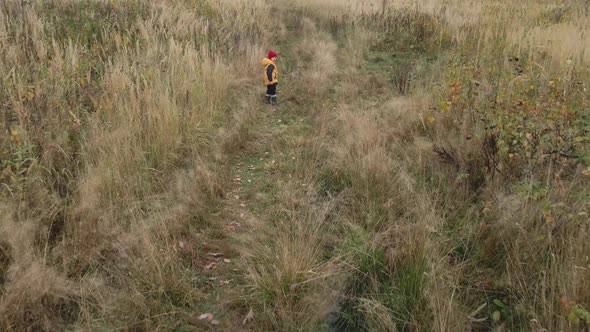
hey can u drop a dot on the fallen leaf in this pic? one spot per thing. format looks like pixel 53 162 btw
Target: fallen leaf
pixel 586 172
pixel 210 266
pixel 214 254
pixel 548 216
pixel 564 301
pixel 430 118
pixel 225 282
pixel 249 317
pixel 242 205
pixel 212 278
pixel 206 316
pixel 215 322
pixel 225 260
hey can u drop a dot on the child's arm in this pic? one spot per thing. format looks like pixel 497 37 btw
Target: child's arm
pixel 269 71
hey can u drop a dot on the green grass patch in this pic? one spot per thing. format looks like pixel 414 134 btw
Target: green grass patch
pixel 397 287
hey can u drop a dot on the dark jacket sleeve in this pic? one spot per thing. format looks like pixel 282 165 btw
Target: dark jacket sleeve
pixel 269 71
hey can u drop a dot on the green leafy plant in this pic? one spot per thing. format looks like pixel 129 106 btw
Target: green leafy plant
pixel 502 310
pixel 576 314
pixel 531 190
pixel 16 158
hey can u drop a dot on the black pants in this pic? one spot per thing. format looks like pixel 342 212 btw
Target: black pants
pixel 271 90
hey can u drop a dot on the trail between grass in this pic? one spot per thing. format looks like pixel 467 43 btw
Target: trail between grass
pixel 271 208
pixel 256 173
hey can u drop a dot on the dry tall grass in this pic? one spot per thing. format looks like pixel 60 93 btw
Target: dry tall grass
pixel 456 247
pixel 437 180
pixel 112 111
pixel 502 232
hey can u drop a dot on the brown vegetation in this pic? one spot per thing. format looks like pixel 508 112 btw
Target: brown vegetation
pixel 427 168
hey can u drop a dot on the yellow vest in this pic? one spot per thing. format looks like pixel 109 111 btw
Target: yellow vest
pixel 275 73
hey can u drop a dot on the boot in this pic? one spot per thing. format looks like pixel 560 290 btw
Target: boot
pixel 267 97
pixel 273 100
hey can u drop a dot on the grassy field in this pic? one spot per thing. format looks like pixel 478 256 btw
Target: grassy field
pixel 427 167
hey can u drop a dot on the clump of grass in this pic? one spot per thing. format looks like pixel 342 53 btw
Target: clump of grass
pixel 380 294
pixel 289 275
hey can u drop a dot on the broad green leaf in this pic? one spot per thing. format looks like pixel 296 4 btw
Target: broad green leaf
pixel 499 303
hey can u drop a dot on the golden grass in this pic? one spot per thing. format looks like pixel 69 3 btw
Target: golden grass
pixel 119 132
pixel 124 131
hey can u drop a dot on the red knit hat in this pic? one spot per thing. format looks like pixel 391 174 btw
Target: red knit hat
pixel 272 54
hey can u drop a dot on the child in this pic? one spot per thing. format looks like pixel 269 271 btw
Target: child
pixel 271 77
